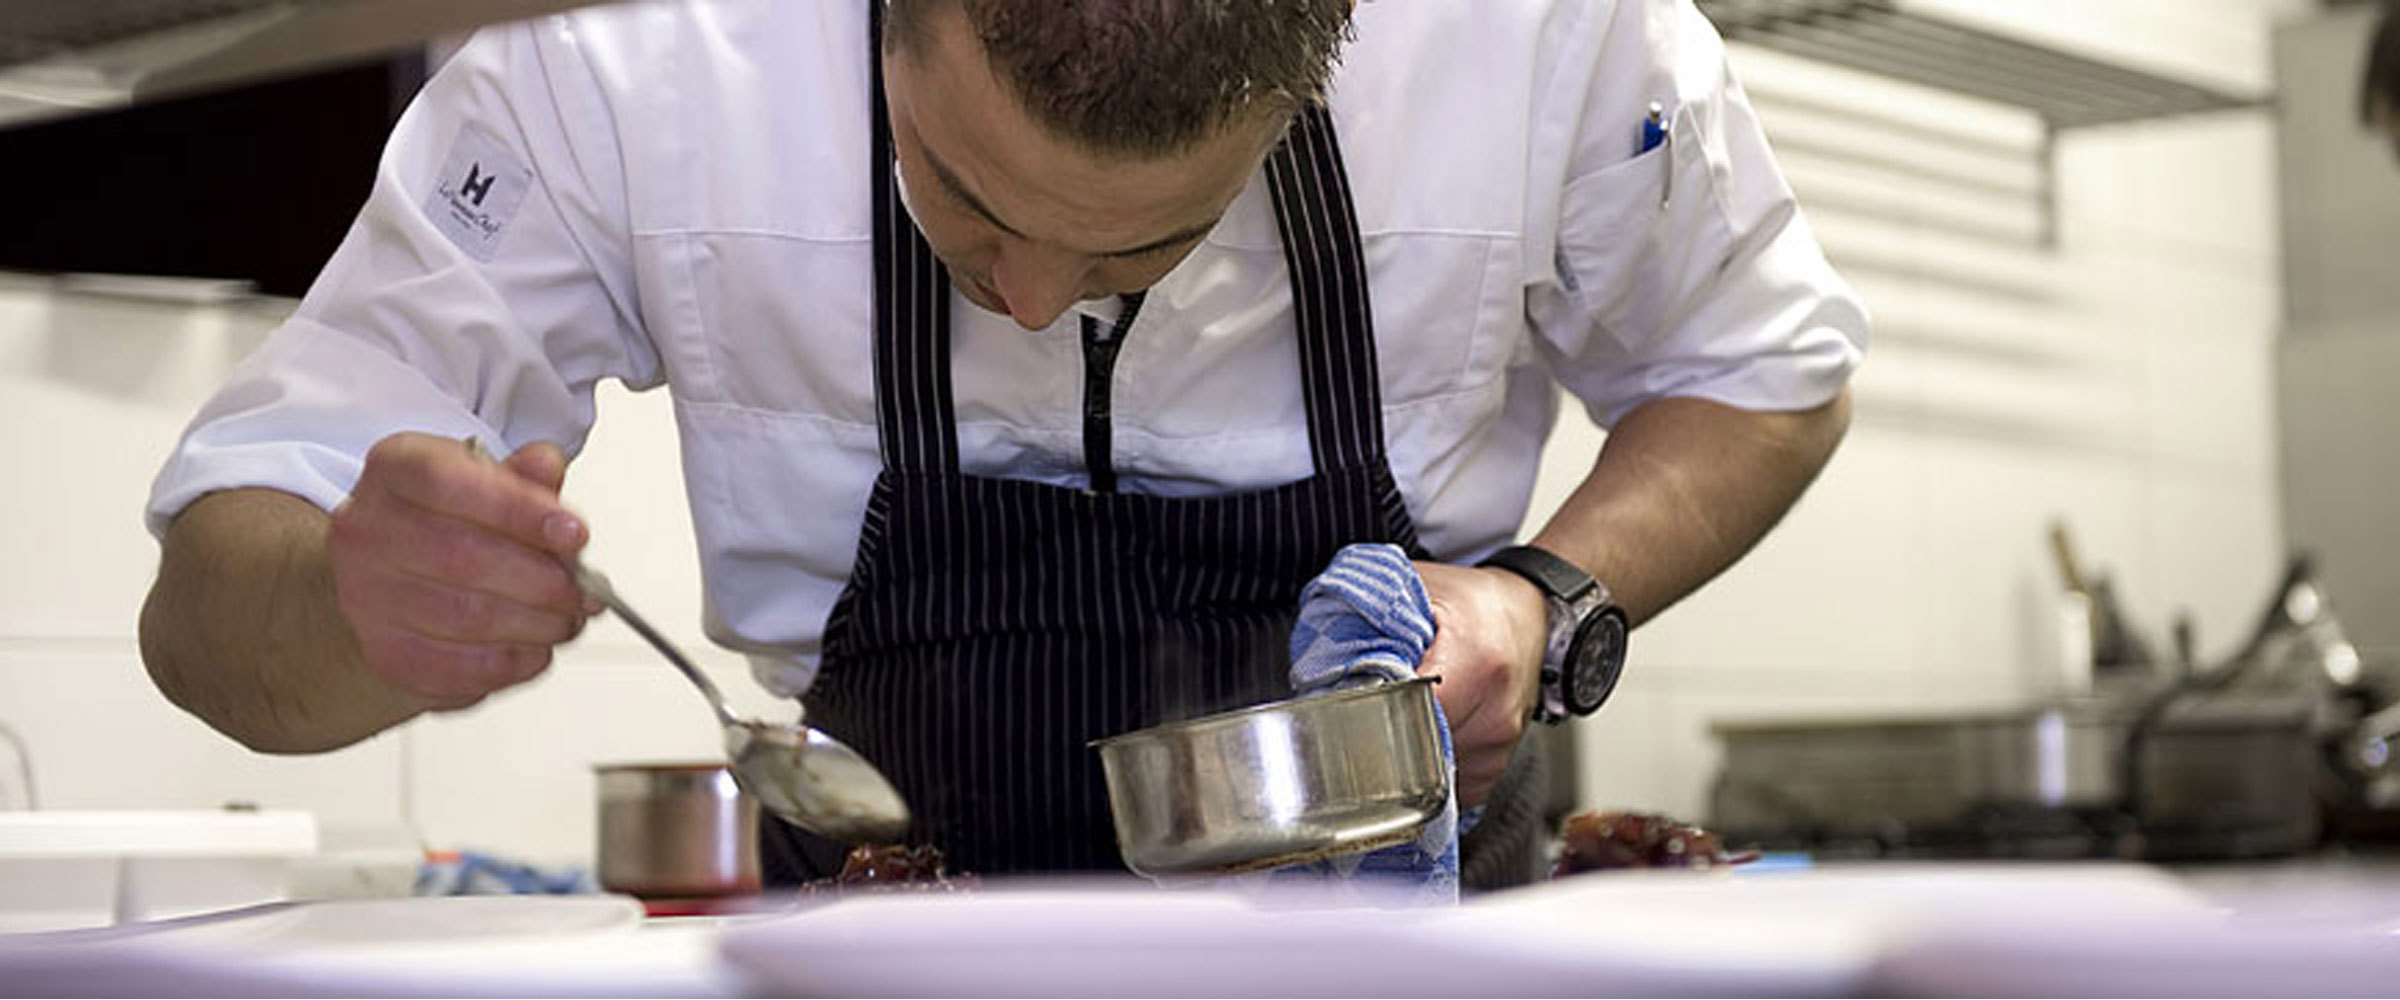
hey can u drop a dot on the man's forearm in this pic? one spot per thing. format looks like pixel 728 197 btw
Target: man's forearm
pixel 242 629
pixel 1683 488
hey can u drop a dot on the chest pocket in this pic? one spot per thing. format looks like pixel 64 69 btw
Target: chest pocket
pixel 1639 241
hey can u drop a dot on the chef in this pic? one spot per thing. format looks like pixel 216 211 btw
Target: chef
pixel 1028 359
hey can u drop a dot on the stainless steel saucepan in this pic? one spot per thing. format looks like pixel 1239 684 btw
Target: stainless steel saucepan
pixel 676 830
pixel 1279 783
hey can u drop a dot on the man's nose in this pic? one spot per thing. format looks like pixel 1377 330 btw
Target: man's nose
pixel 1038 283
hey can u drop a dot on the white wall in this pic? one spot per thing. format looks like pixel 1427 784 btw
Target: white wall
pixel 93 391
pixel 2341 197
pixel 2119 378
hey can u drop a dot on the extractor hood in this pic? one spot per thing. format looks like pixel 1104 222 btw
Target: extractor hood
pixel 1919 43
pixel 61 57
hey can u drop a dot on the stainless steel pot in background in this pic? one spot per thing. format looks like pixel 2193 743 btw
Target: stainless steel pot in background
pixel 676 831
pixel 1279 783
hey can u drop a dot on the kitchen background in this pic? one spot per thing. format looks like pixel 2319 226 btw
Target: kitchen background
pixel 2172 334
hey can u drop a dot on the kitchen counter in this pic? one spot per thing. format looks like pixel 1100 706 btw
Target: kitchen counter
pixel 534 946
pixel 2320 926
pixel 2333 872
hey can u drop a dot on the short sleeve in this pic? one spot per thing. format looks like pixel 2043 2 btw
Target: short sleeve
pixel 1687 268
pixel 484 289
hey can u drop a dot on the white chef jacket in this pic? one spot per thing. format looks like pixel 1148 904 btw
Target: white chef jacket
pixel 675 193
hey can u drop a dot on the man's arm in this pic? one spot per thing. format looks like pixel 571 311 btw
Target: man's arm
pixel 1681 489
pixel 439 581
pixel 296 630
pixel 242 628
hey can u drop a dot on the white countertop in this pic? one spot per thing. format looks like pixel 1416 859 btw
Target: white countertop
pixel 533 946
pixel 1883 928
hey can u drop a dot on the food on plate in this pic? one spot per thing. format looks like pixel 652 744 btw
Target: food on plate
pixel 892 868
pixel 1603 839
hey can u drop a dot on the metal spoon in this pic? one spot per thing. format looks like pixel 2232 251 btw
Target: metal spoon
pixel 798 773
pixel 810 779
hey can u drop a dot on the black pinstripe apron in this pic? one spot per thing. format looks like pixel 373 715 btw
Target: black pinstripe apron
pixel 994 627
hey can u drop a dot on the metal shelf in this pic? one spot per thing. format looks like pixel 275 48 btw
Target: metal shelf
pixel 1878 36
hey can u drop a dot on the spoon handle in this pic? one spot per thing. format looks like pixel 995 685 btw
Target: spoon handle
pixel 596 584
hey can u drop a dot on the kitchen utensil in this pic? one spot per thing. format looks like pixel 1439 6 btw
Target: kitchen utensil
pixel 2299 645
pixel 2115 642
pixel 676 831
pixel 1910 770
pixel 2200 777
pixel 802 775
pixel 1279 783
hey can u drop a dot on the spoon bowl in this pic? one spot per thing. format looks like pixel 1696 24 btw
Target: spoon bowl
pixel 807 778
pixel 814 781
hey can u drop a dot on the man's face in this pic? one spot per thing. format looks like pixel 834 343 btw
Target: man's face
pixel 2387 120
pixel 1029 223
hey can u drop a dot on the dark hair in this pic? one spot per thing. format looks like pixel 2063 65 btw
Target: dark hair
pixel 1146 77
pixel 2383 66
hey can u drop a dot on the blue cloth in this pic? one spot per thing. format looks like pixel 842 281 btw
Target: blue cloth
pixel 1366 620
pixel 475 874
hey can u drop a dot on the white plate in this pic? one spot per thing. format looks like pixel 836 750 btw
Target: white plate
pixel 1591 938
pixel 2085 929
pixel 467 946
pixel 1824 932
pixel 1068 940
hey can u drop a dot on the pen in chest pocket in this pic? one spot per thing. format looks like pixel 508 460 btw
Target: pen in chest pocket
pixel 1654 135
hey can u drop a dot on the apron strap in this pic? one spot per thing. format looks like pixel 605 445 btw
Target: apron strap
pixel 1322 248
pixel 913 407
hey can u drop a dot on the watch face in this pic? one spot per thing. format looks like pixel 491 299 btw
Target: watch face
pixel 1595 660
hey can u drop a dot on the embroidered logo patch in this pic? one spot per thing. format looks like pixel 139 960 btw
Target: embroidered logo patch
pixel 477 193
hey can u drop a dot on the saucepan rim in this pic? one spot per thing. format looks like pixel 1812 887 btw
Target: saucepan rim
pixel 1325 700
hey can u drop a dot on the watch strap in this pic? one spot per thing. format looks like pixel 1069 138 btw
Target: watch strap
pixel 1560 579
pixel 1573 597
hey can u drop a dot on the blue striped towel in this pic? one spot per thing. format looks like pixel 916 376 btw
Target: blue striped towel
pixel 1366 620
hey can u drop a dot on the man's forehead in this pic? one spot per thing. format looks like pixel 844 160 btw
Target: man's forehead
pixel 980 144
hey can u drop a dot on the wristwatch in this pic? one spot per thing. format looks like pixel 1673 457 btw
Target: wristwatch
pixel 1586 652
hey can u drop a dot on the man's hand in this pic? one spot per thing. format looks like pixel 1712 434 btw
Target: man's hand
pixel 448 567
pixel 1490 629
